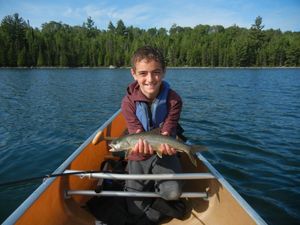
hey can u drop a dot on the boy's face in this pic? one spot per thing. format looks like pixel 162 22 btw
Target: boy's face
pixel 149 75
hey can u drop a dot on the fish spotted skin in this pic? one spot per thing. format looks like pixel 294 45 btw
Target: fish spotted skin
pixel 127 143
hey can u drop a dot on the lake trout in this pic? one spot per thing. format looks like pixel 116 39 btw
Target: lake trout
pixel 127 143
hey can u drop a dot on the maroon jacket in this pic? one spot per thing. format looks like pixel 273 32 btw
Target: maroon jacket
pixel 128 107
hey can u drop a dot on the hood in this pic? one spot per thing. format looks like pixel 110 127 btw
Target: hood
pixel 135 92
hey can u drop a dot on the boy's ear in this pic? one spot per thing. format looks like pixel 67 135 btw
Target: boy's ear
pixel 133 73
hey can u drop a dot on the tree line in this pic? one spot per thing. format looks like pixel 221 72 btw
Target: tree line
pixel 59 45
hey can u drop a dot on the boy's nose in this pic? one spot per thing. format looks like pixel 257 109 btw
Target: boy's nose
pixel 149 77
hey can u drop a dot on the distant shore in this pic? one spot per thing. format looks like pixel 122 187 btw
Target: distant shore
pixel 169 67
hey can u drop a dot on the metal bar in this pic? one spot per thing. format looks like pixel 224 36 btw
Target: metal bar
pixel 115 176
pixel 133 194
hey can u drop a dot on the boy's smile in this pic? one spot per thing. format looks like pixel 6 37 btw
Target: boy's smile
pixel 149 75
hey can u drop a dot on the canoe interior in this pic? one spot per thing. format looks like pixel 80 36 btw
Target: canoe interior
pixel 51 206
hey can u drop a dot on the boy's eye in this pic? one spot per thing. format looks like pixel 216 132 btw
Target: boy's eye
pixel 143 73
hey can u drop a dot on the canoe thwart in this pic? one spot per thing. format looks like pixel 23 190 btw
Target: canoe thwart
pixel 116 176
pixel 100 137
pixel 132 194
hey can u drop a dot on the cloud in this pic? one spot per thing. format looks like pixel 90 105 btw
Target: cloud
pixel 131 15
pixel 98 11
pixel 137 14
pixel 72 13
pixel 191 15
pixel 102 13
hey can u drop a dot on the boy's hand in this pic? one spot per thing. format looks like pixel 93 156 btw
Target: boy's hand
pixel 142 147
pixel 165 148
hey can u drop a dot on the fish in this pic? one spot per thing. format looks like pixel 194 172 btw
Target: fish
pixel 127 143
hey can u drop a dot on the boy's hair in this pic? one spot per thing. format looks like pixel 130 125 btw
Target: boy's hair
pixel 149 53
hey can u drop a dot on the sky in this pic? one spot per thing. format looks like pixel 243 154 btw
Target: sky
pixel 276 14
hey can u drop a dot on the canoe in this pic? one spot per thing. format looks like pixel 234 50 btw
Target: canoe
pixel 61 200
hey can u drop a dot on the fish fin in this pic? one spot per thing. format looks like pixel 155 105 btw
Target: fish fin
pixel 154 131
pixel 159 154
pixel 110 138
pixel 127 153
pixel 193 159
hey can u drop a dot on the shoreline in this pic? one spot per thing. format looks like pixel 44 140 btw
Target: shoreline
pixel 168 67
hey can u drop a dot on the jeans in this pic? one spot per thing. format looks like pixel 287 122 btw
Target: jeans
pixel 168 189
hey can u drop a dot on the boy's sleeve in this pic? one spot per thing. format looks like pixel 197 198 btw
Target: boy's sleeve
pixel 128 111
pixel 174 106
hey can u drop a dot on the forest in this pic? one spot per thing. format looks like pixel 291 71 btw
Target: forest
pixel 57 44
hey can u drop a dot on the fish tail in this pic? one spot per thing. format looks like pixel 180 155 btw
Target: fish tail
pixel 194 149
pixel 193 159
pixel 198 148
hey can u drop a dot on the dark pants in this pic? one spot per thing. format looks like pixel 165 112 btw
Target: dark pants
pixel 169 189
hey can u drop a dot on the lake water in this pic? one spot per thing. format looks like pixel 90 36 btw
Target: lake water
pixel 248 118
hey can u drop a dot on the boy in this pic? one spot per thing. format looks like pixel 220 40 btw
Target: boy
pixel 148 104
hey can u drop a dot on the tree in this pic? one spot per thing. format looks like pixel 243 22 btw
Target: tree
pixel 40 61
pixel 256 40
pixel 293 53
pixel 120 29
pixel 90 27
pixel 257 24
pixel 14 28
pixel 111 27
pixel 58 44
pixel 21 58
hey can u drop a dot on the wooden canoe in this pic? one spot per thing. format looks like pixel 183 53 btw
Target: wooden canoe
pixel 48 204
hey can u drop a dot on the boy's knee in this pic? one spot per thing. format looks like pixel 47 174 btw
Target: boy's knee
pixel 170 190
pixel 171 195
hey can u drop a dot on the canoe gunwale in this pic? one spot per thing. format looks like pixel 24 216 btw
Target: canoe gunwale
pixel 13 218
pixel 251 212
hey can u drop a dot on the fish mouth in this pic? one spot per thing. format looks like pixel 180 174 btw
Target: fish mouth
pixel 112 148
